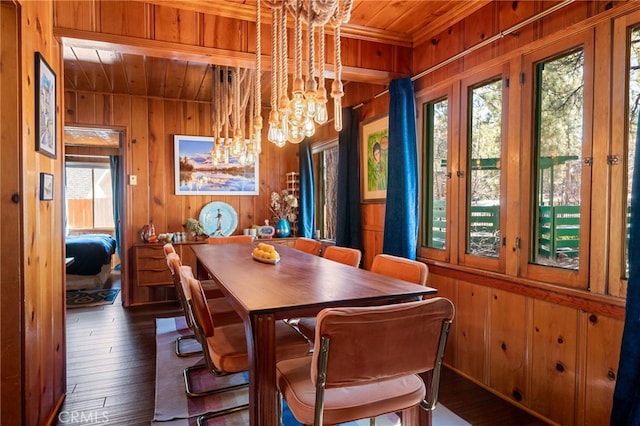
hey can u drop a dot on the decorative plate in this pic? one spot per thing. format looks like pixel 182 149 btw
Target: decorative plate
pixel 219 219
pixel 269 261
pixel 266 231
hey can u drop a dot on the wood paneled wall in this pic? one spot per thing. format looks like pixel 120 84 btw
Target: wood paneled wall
pixel 556 361
pixel 554 355
pixel 32 316
pixel 551 353
pixel 148 152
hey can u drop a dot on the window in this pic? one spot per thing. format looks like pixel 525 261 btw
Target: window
pixel 436 141
pixel 326 176
pixel 484 161
pixel 89 196
pixel 634 110
pixel 557 101
pixel 624 129
pixel 558 135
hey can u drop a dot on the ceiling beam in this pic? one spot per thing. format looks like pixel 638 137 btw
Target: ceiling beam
pixel 200 54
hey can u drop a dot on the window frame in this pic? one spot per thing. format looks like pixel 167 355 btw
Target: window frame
pixel 578 279
pixel 499 72
pixel 617 282
pixel 317 152
pixel 451 93
pixel 92 165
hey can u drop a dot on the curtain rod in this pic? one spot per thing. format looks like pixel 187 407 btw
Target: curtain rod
pixel 480 45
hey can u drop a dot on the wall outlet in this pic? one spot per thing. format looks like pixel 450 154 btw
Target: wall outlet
pixel 133 180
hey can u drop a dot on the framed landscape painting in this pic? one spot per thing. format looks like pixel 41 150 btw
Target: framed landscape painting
pixel 374 146
pixel 45 107
pixel 196 172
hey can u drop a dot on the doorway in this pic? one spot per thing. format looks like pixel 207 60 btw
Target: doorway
pixel 94 206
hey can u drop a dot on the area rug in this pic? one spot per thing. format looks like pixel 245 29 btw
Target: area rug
pixel 91 297
pixel 174 408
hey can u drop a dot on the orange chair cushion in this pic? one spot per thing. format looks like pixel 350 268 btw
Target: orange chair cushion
pixel 222 312
pixel 344 404
pixel 228 346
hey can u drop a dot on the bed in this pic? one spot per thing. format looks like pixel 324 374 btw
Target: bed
pixel 91 264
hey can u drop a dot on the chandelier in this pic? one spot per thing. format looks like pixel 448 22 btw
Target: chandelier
pixel 234 97
pixel 294 116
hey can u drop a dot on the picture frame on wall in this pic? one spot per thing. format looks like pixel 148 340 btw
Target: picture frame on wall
pixel 46 186
pixel 196 172
pixel 45 120
pixel 374 149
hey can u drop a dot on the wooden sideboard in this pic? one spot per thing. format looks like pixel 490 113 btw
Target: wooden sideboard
pixel 150 264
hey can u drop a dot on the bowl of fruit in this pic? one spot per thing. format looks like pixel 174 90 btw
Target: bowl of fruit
pixel 265 253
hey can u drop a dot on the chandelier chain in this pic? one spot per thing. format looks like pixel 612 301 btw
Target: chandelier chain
pixel 322 57
pixel 311 44
pixel 283 53
pixel 274 60
pixel 298 35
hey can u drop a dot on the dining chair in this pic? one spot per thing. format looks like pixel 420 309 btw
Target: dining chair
pixel 401 268
pixel 341 382
pixel 230 239
pixel 225 347
pixel 308 245
pixel 174 264
pixel 223 311
pixel 346 255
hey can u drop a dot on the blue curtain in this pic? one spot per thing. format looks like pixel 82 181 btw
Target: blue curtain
pixel 402 208
pixel 626 397
pixel 348 227
pixel 306 209
pixel 114 163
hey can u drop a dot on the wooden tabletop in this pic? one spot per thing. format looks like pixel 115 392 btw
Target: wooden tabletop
pixel 298 281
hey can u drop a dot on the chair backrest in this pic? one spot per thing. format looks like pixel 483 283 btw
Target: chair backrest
pixel 184 273
pixel 199 307
pixel 308 245
pixel 168 249
pixel 348 256
pixel 365 345
pixel 174 263
pixel 401 268
pixel 230 239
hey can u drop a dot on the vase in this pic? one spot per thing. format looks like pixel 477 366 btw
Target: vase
pixel 283 228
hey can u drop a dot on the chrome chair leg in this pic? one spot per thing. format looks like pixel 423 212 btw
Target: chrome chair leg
pixel 212 414
pixel 193 394
pixel 185 354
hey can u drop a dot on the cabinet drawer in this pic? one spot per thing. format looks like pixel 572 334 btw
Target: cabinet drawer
pixel 151 267
pixel 151 262
pixel 153 277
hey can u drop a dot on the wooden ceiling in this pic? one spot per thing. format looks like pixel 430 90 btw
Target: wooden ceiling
pixel 115 68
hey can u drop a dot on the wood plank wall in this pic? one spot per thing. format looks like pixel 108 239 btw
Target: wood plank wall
pixel 148 152
pixel 32 364
pixel 549 353
pixel 11 386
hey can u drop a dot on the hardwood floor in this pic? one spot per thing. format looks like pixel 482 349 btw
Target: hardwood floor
pixel 111 372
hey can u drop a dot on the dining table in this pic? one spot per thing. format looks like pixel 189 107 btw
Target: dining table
pixel 298 285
